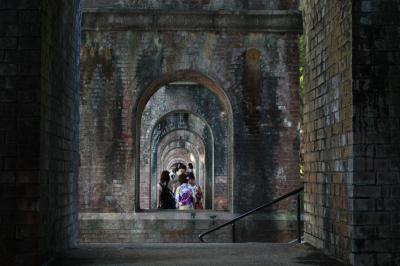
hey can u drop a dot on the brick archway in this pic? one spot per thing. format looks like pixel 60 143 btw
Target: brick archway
pixel 207 83
pixel 123 70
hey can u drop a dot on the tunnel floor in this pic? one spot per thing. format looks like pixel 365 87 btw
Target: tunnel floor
pixel 194 254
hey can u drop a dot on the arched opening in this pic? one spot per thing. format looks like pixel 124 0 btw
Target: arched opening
pixel 185 117
pixel 253 82
pixel 180 146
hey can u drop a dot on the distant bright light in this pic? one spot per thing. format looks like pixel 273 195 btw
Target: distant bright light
pixel 202 159
pixel 192 158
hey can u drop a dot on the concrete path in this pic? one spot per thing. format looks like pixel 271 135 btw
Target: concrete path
pixel 195 254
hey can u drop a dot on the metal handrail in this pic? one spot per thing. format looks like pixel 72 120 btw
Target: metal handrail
pixel 296 191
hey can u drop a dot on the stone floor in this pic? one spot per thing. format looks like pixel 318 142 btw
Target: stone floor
pixel 195 254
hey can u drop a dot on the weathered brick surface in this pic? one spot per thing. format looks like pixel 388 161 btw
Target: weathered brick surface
pixel 328 128
pixel 197 4
pixel 38 141
pixel 19 132
pixel 167 226
pixel 351 128
pixel 173 126
pixel 118 70
pixel 376 98
pixel 192 143
pixel 59 149
pixel 163 115
pixel 351 121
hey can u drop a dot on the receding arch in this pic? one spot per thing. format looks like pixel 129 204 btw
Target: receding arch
pixel 191 116
pixel 180 111
pixel 193 126
pixel 208 83
pixel 162 156
pixel 164 151
pixel 169 142
pixel 204 157
pixel 183 75
pixel 181 150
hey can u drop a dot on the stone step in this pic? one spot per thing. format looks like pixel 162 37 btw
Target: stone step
pixel 179 227
pixel 195 254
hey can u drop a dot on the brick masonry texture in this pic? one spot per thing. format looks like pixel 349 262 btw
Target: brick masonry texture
pixel 351 127
pixel 20 85
pixel 59 145
pixel 350 133
pixel 39 96
pixel 328 132
pixel 196 4
pixel 375 220
pixel 204 116
pixel 117 68
pixel 173 226
pixel 174 147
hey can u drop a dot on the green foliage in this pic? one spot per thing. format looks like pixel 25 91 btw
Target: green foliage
pixel 301 78
pixel 301 92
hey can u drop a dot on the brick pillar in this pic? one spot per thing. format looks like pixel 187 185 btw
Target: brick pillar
pixel 375 224
pixel 328 125
pixel 19 131
pixel 351 129
pixel 39 96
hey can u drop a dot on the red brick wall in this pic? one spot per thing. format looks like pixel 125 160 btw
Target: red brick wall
pixel 328 128
pixel 351 130
pixel 112 85
pixel 120 68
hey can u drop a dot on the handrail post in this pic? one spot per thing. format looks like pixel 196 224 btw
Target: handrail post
pixel 233 233
pixel 298 219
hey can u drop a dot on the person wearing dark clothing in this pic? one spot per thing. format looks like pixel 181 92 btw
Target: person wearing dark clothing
pixel 165 197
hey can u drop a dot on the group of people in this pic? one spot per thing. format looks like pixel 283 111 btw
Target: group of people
pixel 178 189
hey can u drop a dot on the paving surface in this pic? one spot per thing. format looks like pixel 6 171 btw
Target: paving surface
pixel 195 254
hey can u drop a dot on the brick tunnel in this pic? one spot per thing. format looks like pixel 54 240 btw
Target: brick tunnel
pixel 98 97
